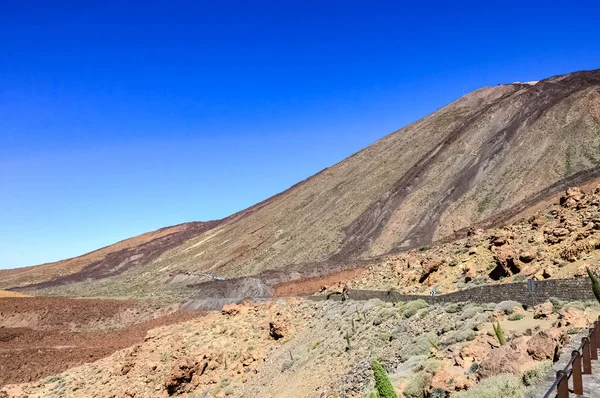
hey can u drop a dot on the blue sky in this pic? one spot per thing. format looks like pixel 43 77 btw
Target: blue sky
pixel 120 119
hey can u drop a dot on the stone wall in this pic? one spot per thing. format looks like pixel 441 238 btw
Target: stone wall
pixel 564 289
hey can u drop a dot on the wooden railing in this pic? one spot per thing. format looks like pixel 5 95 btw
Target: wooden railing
pixel 579 365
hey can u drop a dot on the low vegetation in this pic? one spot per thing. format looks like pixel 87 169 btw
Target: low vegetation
pixel 382 381
pixel 499 333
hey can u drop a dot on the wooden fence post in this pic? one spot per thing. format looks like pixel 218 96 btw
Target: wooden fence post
pixel 577 378
pixel 585 352
pixel 593 346
pixel 563 385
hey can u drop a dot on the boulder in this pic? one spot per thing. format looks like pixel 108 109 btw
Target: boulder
pixel 477 350
pixel 502 360
pixel 560 232
pixel 543 310
pixel 538 222
pixel 573 318
pixel 230 309
pixel 499 240
pixel 575 193
pixel 545 345
pixel 527 257
pixel 449 378
pixel 581 271
pixel 182 373
pixel 530 270
pixel 276 330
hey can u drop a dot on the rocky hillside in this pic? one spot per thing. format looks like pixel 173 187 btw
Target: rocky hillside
pixel 478 161
pixel 293 349
pixel 107 261
pixel 559 241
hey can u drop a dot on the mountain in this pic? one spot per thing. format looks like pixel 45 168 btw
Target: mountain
pixel 107 261
pixel 479 161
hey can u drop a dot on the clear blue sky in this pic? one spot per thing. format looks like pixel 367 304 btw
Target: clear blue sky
pixel 120 119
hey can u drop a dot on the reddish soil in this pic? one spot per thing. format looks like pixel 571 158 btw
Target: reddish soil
pixel 37 336
pixel 315 283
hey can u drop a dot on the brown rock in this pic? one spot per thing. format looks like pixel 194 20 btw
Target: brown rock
pixel 552 240
pixel 230 309
pixel 559 232
pixel 527 257
pixel 501 360
pixel 543 345
pixel 581 271
pixel 276 330
pixel 575 193
pixel 479 348
pixel 463 382
pixel 182 373
pixel 126 367
pixel 449 378
pixel 543 310
pixel 414 263
pixel 499 240
pixel 429 268
pixel 528 271
pixel 538 222
pixel 546 274
pixel 573 317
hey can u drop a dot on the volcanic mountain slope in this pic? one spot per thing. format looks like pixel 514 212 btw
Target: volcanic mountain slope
pixel 104 262
pixel 480 160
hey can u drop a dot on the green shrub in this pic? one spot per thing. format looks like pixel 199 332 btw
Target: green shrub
pixel 452 308
pixel 595 283
pixel 516 317
pixel 532 376
pixel 287 364
pixel 225 382
pixel 508 307
pixel 502 386
pixel 499 333
pixel 432 366
pixel 409 312
pixel 412 307
pixel 458 336
pixel 473 368
pixel 556 304
pixel 416 386
pixel 575 304
pixel 470 312
pixel 382 381
pixel 420 345
pixel 438 393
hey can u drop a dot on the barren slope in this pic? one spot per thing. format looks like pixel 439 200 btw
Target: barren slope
pixel 107 261
pixel 486 156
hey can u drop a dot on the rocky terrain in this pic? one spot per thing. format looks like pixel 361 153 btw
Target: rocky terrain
pixel 302 348
pixel 498 186
pixel 559 241
pixel 42 336
pixel 479 161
